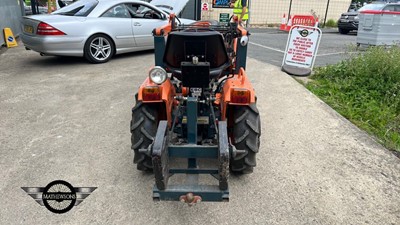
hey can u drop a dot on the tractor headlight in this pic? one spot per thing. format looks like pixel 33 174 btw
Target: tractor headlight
pixel 158 75
pixel 244 40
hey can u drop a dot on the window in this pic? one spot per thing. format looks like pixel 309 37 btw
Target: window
pixel 142 11
pixel 118 11
pixel 389 8
pixel 79 8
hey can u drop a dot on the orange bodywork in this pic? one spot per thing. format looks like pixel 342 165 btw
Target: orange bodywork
pixel 202 23
pixel 236 90
pixel 166 96
pixel 167 28
pixel 239 82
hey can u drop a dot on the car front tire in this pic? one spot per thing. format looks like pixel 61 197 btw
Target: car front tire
pixel 343 31
pixel 99 48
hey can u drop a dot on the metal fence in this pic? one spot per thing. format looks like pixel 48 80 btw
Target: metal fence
pixel 271 11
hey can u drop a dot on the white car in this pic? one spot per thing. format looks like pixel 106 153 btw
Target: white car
pixel 98 29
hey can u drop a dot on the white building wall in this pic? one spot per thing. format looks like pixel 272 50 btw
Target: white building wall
pixel 264 12
pixel 10 14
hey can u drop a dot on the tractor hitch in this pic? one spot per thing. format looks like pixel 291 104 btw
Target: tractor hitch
pixel 190 199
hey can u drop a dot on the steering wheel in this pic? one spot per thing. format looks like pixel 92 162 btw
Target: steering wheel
pixel 152 14
pixel 148 14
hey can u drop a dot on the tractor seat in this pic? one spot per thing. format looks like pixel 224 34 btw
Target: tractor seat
pixel 207 45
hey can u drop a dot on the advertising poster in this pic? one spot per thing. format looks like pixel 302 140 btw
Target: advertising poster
pixel 221 3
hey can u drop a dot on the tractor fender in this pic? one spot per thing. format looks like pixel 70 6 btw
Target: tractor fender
pixel 239 82
pixel 165 98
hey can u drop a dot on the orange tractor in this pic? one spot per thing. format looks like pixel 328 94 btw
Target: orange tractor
pixel 196 104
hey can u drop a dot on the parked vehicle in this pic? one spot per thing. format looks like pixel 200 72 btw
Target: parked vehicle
pixel 197 104
pixel 379 27
pixel 349 21
pixel 97 29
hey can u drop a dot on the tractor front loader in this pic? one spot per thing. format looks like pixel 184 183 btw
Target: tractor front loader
pixel 197 104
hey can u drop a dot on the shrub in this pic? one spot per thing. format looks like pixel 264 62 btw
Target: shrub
pixel 331 23
pixel 366 90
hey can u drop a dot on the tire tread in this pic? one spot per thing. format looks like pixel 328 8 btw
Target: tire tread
pixel 246 135
pixel 143 129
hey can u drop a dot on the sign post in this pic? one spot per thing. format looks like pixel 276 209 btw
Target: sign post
pixel 224 19
pixel 301 50
pixel 204 6
pixel 9 38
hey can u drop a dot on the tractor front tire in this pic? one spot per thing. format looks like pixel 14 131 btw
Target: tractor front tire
pixel 143 129
pixel 246 136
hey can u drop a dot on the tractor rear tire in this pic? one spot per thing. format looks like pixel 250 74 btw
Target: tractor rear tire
pixel 246 136
pixel 143 129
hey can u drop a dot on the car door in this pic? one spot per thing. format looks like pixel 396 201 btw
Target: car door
pixel 144 19
pixel 117 22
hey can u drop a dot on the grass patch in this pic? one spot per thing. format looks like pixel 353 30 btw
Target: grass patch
pixel 366 90
pixel 331 23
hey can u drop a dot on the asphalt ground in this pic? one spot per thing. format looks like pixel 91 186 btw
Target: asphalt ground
pixel 62 118
pixel 269 45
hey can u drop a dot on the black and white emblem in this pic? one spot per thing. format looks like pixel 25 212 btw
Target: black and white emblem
pixel 59 196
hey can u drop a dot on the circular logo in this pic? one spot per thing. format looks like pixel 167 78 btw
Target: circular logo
pixel 304 33
pixel 10 39
pixel 59 196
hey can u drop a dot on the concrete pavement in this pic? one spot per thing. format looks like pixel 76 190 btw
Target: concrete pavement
pixel 62 118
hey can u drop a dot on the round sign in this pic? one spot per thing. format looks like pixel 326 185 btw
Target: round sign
pixel 204 6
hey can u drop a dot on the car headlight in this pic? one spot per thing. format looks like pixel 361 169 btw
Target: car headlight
pixel 356 18
pixel 158 75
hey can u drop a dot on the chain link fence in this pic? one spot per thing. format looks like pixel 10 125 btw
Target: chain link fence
pixel 269 12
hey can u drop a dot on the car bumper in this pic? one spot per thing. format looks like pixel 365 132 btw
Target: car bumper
pixel 55 45
pixel 348 26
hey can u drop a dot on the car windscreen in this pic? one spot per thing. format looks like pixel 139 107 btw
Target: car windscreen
pixel 166 8
pixel 79 8
pixel 371 7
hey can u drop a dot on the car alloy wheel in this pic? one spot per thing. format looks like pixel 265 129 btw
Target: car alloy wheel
pixel 99 49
